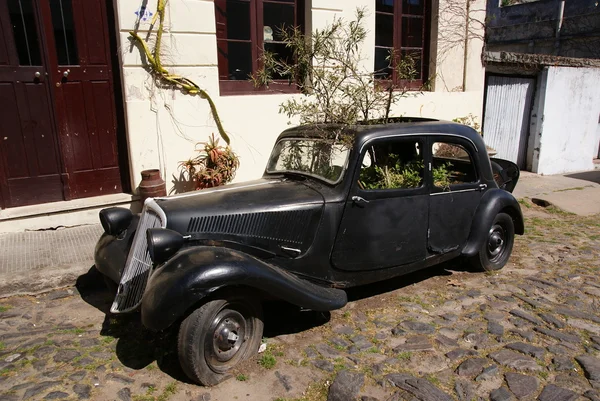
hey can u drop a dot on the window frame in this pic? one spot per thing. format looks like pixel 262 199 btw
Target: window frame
pixel 471 151
pixel 343 172
pixel 246 87
pixel 397 46
pixel 373 194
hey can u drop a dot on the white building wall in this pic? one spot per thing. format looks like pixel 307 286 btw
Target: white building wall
pixel 163 125
pixel 570 119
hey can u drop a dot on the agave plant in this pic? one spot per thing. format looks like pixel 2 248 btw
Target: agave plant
pixel 214 165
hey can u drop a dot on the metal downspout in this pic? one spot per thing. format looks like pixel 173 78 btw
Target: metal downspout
pixel 559 22
pixel 466 49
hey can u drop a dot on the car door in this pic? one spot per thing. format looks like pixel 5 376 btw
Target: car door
pixel 455 192
pixel 384 223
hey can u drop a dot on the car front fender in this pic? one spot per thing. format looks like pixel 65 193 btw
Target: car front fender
pixel 494 201
pixel 197 272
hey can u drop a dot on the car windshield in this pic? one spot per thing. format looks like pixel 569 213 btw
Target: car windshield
pixel 320 158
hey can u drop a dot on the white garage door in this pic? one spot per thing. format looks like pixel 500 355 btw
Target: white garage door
pixel 506 116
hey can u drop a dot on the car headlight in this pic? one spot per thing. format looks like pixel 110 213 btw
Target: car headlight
pixel 163 243
pixel 115 220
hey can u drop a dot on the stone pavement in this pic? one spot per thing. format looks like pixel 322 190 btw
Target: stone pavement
pixel 530 331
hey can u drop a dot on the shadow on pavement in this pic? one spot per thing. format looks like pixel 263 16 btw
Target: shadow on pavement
pixel 592 176
pixel 137 347
pixel 397 283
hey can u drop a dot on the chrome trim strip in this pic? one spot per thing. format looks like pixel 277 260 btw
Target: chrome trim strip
pixel 454 192
pixel 151 204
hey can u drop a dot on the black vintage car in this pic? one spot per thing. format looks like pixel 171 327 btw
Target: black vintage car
pixel 337 207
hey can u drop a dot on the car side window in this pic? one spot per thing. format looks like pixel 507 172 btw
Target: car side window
pixel 452 165
pixel 393 164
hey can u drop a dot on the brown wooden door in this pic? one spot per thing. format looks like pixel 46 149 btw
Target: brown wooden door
pixel 79 62
pixel 30 167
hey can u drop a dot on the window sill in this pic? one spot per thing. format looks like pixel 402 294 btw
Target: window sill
pixel 412 86
pixel 244 88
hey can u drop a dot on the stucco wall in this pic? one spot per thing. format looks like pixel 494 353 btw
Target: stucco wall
pixel 163 125
pixel 570 119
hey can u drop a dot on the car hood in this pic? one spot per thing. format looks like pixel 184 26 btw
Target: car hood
pixel 268 213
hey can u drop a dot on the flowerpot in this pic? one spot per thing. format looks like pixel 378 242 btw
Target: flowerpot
pixel 152 185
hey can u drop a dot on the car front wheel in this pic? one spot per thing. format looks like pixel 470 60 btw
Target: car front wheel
pixel 497 247
pixel 218 336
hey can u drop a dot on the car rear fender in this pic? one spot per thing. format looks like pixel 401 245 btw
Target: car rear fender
pixel 494 201
pixel 197 272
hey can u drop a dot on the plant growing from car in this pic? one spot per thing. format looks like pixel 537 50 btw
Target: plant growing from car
pixel 214 165
pixel 469 120
pixel 330 69
pixel 395 174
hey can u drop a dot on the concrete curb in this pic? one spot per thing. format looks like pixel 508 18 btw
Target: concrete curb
pixel 35 282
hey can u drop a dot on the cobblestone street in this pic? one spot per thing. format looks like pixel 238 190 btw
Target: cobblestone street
pixel 531 331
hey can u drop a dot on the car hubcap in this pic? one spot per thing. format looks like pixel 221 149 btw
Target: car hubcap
pixel 228 336
pixel 496 241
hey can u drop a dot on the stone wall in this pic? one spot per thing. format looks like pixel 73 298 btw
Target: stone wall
pixel 531 28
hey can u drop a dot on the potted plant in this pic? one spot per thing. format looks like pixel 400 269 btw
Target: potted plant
pixel 214 165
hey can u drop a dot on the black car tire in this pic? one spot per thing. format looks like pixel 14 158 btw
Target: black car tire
pixel 206 356
pixel 497 247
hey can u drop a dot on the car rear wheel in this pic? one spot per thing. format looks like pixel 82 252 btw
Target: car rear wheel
pixel 218 336
pixel 497 247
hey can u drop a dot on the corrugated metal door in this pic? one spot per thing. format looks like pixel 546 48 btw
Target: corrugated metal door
pixel 506 116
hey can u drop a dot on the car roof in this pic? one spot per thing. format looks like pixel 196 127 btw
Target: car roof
pixel 399 126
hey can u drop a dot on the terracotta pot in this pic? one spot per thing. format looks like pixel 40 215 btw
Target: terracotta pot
pixel 152 185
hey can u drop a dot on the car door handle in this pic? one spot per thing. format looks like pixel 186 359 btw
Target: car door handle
pixel 482 187
pixel 358 199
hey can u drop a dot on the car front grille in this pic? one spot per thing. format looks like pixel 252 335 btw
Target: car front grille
pixel 137 268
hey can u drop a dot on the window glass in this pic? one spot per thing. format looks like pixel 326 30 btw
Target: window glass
pixel 386 6
pixel 400 26
pixel 414 69
pixel 238 20
pixel 383 70
pixel 392 165
pixel 22 19
pixel 277 17
pixel 281 52
pixel 320 158
pixel 412 32
pixel 64 32
pixel 244 27
pixel 452 165
pixel 384 30
pixel 239 59
pixel 413 7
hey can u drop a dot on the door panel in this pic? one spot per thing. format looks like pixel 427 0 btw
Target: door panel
pixel 383 233
pixel 96 38
pixel 450 217
pixel 79 52
pixel 100 96
pixel 455 199
pixel 29 155
pixel 75 129
pixel 385 218
pixel 507 115
pixel 58 137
